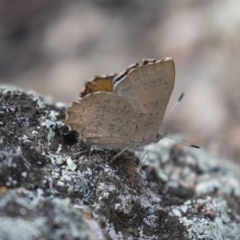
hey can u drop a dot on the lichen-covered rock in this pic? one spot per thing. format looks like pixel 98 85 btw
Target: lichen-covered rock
pixel 28 215
pixel 53 186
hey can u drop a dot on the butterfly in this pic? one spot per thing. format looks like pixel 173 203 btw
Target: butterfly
pixel 125 110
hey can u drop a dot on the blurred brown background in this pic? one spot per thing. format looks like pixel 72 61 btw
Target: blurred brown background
pixel 53 46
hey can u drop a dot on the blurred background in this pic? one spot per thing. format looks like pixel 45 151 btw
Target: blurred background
pixel 52 47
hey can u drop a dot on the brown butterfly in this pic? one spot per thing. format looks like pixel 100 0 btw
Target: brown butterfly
pixel 125 110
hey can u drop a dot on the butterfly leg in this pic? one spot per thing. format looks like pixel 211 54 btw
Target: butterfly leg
pixel 123 150
pixel 142 161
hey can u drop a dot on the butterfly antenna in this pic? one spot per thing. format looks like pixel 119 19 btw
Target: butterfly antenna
pixel 185 143
pixel 173 108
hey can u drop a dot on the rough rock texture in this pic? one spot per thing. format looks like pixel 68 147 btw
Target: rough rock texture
pixel 53 186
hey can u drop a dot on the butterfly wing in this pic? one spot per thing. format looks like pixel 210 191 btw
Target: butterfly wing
pixel 102 83
pixel 148 89
pixel 105 120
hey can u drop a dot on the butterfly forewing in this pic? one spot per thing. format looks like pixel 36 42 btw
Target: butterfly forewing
pixel 148 89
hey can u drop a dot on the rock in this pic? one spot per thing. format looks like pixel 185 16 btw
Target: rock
pixel 53 186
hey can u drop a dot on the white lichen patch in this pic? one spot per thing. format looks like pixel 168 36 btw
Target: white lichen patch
pixel 24 174
pixel 71 165
pixel 39 101
pixel 57 159
pixel 112 232
pixel 207 186
pixel 59 149
pixel 6 88
pixel 60 183
pixel 155 151
pixel 53 115
pixel 125 204
pixel 220 227
pixel 105 190
pixel 24 138
pixel 50 121
pixel 175 212
pixel 34 133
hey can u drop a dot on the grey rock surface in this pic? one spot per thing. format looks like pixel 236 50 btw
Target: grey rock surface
pixel 53 186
